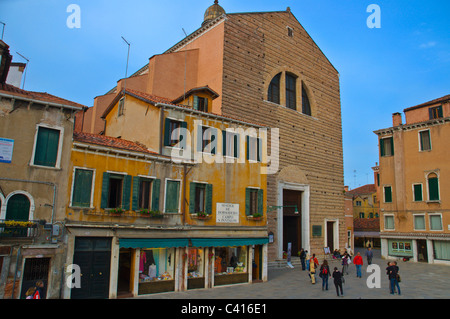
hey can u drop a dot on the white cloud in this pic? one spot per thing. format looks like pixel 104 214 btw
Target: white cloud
pixel 427 45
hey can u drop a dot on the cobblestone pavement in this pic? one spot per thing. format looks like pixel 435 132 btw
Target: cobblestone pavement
pixel 419 281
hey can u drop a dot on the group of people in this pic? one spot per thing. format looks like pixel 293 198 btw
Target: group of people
pixel 35 292
pixel 312 265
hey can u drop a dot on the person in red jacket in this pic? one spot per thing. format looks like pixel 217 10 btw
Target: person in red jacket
pixel 358 261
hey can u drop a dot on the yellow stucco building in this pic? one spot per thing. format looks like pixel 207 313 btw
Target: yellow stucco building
pixel 170 198
pixel 414 183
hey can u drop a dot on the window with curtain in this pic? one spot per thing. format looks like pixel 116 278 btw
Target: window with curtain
pixel 441 249
pixel 419 222
pixel 425 140
pixel 435 222
pixel 389 222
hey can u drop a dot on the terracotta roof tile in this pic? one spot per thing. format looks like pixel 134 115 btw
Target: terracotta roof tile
pixel 109 141
pixel 365 189
pixel 366 224
pixel 445 98
pixel 41 96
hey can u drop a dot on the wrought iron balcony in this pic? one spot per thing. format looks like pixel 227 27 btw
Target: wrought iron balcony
pixel 18 229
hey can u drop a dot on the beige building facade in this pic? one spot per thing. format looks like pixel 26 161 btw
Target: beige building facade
pixel 414 183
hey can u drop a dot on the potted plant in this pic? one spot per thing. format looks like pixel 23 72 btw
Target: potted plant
pixel 257 216
pixel 202 215
pixel 151 213
pixel 116 211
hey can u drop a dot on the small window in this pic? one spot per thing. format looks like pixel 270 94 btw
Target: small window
pixel 254 201
pixel 290 32
pixel 254 149
pixel 207 139
pixel 358 203
pixel 291 93
pixel 417 192
pixel 47 147
pixel 387 146
pixel 82 188
pixel 172 196
pixel 435 222
pixel 173 133
pixel 230 144
pixel 200 198
pixel 435 112
pixel 145 193
pixel 361 215
pixel 388 194
pixel 200 103
pixel 389 222
pixel 116 190
pixel 425 140
pixel 419 222
pixel 274 89
pixel 433 187
pixel 121 106
pixel 306 106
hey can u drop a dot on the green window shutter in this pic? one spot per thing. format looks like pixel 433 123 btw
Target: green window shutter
pixel 126 192
pixel 214 133
pixel 183 135
pixel 82 187
pixel 47 144
pixel 392 146
pixel 208 199
pixel 172 196
pixel 192 198
pixel 261 201
pixel 388 194
pixel 433 188
pixel 382 147
pixel 156 186
pixel 195 102
pixel 248 147
pixel 135 195
pixel 418 193
pixel 224 143
pixel 236 145
pixel 247 201
pixel 206 105
pixel 440 111
pixel 199 138
pixel 167 132
pixel 105 190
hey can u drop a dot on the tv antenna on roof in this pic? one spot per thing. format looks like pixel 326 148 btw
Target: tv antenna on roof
pixel 26 67
pixel 3 31
pixel 128 56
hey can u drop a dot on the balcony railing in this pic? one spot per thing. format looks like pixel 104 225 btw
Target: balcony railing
pixel 18 229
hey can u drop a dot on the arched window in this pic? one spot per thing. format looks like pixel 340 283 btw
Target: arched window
pixel 274 89
pixel 306 106
pixel 433 186
pixel 18 208
pixel 291 94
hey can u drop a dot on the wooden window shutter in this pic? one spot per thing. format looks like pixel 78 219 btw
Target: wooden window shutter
pixel 392 145
pixel 105 190
pixel 135 195
pixel 208 199
pixel 183 135
pixel 214 139
pixel 126 192
pixel 224 143
pixel 433 188
pixel 192 187
pixel 167 132
pixel 47 145
pixel 195 102
pixel 156 185
pixel 388 194
pixel 417 193
pixel 82 188
pixel 261 201
pixel 200 138
pixel 382 147
pixel 247 201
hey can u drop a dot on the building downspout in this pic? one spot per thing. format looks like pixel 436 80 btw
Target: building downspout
pixel 161 129
pixel 15 272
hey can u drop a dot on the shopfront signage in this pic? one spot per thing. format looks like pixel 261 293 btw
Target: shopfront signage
pixel 227 213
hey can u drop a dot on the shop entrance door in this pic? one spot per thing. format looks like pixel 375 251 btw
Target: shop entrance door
pixel 124 277
pixel 257 264
pixel 35 269
pixel 93 256
pixel 422 253
pixel 330 236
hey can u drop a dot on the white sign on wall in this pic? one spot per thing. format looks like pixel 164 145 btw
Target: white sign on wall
pixel 6 150
pixel 227 213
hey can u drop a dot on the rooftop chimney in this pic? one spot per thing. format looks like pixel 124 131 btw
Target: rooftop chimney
pixel 396 119
pixel 5 61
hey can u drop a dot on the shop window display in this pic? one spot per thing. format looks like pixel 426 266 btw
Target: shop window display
pixel 230 265
pixel 196 267
pixel 156 270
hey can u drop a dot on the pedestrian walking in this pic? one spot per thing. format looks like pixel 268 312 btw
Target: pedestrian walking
pixel 307 260
pixel 369 255
pixel 337 278
pixel 302 256
pixel 38 294
pixel 324 274
pixel 313 265
pixel 358 261
pixel 345 261
pixel 393 273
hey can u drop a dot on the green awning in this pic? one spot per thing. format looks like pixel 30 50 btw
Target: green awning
pixel 153 242
pixel 227 242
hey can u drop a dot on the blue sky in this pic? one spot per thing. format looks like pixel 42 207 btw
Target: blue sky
pixel 382 71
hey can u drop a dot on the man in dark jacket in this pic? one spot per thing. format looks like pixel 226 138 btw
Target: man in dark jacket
pixel 337 276
pixel 392 272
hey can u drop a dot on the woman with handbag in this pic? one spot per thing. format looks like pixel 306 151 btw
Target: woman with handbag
pixel 394 277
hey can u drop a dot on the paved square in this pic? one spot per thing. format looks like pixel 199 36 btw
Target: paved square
pixel 419 281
